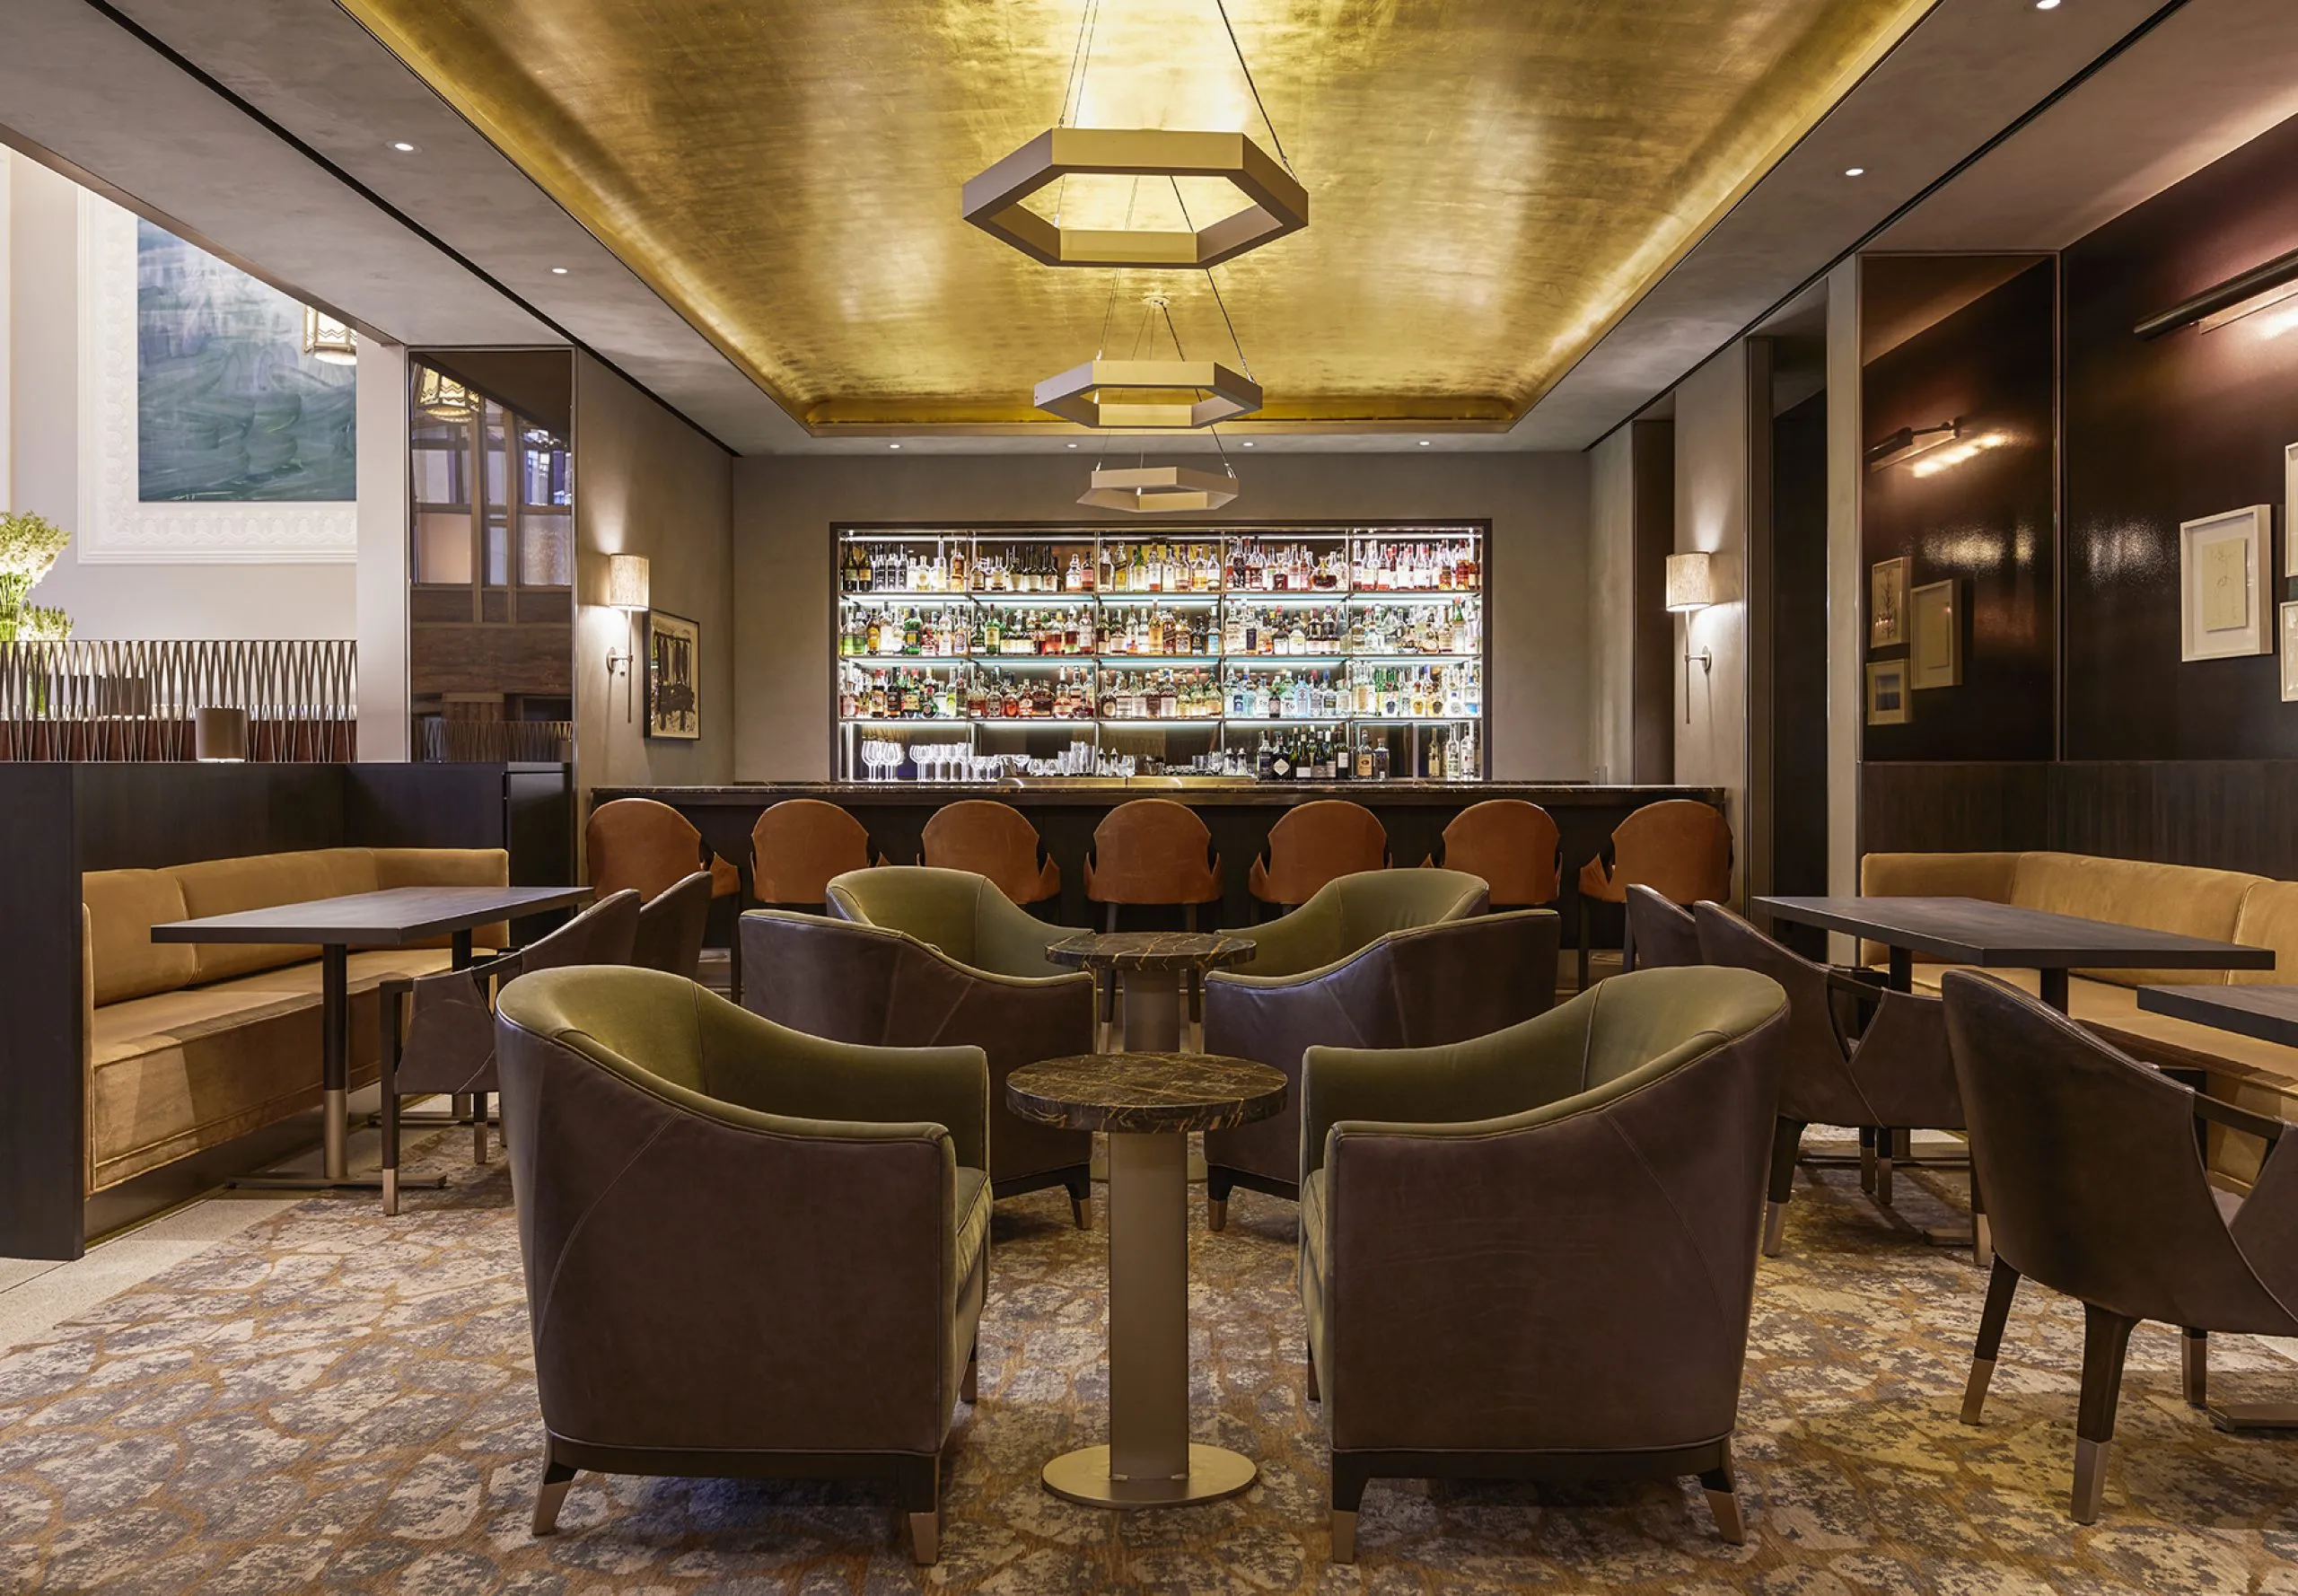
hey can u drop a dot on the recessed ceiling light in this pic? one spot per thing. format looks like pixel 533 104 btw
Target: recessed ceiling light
pixel 1249 443
pixel 894 445
pixel 1424 443
pixel 557 271
pixel 1854 172
pixel 2046 5
pixel 1073 445
pixel 403 147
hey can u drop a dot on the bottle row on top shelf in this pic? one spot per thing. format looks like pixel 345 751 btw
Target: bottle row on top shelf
pixel 955 631
pixel 1452 691
pixel 1336 564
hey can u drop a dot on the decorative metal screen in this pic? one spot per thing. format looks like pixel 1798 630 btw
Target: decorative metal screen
pixel 88 700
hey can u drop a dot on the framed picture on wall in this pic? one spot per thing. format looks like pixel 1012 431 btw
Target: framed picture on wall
pixel 674 671
pixel 1887 603
pixel 1887 693
pixel 1936 612
pixel 2289 504
pixel 2290 654
pixel 2222 584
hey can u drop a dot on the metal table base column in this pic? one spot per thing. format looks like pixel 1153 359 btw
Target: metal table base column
pixel 1152 1010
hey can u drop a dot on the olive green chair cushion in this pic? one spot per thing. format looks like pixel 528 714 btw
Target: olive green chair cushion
pixel 963 913
pixel 1353 911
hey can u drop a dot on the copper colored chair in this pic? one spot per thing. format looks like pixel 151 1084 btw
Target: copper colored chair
pixel 1679 847
pixel 1894 1075
pixel 1661 936
pixel 797 845
pixel 1151 851
pixel 2096 1180
pixel 1315 843
pixel 994 840
pixel 1513 845
pixel 640 845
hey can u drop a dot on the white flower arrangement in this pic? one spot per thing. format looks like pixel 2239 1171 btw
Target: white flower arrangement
pixel 43 623
pixel 29 545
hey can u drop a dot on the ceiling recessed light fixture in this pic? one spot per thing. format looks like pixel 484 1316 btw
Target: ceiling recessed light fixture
pixel 1424 443
pixel 894 445
pixel 1249 443
pixel 557 271
pixel 2046 5
pixel 403 147
pixel 1854 172
pixel 1073 445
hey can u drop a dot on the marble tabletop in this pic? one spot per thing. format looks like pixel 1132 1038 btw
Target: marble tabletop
pixel 1145 1091
pixel 1151 950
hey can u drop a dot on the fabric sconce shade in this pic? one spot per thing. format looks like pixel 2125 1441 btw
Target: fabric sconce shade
pixel 1691 581
pixel 220 736
pixel 629 583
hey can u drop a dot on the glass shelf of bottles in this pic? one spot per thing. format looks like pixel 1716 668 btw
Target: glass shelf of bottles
pixel 1340 652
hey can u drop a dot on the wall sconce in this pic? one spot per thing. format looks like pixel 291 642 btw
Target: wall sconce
pixel 1911 443
pixel 2260 288
pixel 629 589
pixel 1691 588
pixel 219 736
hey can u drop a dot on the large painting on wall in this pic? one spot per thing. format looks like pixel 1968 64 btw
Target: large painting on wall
pixel 228 406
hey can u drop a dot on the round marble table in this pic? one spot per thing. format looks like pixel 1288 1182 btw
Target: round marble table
pixel 1147 1103
pixel 1147 967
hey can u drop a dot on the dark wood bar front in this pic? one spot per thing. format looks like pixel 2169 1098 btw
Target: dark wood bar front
pixel 1238 815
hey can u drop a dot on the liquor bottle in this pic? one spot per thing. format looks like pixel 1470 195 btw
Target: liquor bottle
pixel 1280 765
pixel 1381 762
pixel 1363 761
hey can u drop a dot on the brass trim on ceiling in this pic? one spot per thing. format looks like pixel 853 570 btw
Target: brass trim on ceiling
pixel 992 198
pixel 1158 490
pixel 1081 393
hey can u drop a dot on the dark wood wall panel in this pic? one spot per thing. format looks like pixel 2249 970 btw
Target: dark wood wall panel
pixel 1653 659
pixel 1906 807
pixel 43 1138
pixel 146 816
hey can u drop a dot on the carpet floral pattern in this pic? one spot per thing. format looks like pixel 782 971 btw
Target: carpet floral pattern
pixel 331 1401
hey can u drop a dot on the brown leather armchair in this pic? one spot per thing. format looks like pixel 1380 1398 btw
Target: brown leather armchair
pixel 1679 847
pixel 1312 844
pixel 854 980
pixel 1659 934
pixel 992 840
pixel 1514 845
pixel 2097 1189
pixel 1382 959
pixel 1895 1075
pixel 449 1043
pixel 671 926
pixel 1151 851
pixel 1533 1254
pixel 748 1251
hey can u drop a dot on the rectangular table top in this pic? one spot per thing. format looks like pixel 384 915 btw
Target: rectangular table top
pixel 2269 1013
pixel 390 918
pixel 1974 931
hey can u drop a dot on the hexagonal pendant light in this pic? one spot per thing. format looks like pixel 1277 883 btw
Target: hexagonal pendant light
pixel 993 199
pixel 1150 490
pixel 1081 394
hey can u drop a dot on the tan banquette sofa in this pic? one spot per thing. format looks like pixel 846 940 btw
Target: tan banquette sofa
pixel 187 1045
pixel 2224 905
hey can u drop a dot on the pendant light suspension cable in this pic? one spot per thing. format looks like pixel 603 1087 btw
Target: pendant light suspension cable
pixel 1222 7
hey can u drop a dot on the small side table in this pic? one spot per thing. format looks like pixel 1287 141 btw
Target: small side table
pixel 1147 1103
pixel 1147 967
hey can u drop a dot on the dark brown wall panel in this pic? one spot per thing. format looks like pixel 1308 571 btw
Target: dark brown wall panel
pixel 2159 433
pixel 1997 806
pixel 1986 524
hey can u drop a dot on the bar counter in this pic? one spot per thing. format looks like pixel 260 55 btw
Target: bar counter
pixel 1239 814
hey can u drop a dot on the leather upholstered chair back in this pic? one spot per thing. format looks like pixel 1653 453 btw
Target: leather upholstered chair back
pixel 1816 1084
pixel 640 845
pixel 1679 847
pixel 963 913
pixel 1513 845
pixel 991 839
pixel 671 926
pixel 1347 912
pixel 1152 850
pixel 1659 934
pixel 1314 843
pixel 797 845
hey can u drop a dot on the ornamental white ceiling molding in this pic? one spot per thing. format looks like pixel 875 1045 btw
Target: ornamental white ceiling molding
pixel 115 526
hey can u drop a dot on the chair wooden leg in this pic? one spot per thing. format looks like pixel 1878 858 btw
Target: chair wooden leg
pixel 551 1495
pixel 390 1050
pixel 1080 1200
pixel 1218 1184
pixel 1886 1143
pixel 1109 917
pixel 1786 1141
pixel 2105 1337
pixel 1721 1487
pixel 1867 1159
pixel 2194 1367
pixel 2002 1284
pixel 921 1502
pixel 970 1387
pixel 1348 1481
pixel 1188 916
pixel 1309 1359
pixel 478 1127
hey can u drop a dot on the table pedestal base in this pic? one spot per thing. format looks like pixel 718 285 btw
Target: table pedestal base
pixel 1083 1477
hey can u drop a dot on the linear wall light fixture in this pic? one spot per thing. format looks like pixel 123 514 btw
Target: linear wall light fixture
pixel 1691 588
pixel 1911 443
pixel 2260 288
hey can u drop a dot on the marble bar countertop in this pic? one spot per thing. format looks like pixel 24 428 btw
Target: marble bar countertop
pixel 1028 791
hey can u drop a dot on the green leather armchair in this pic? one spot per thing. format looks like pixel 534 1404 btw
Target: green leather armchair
pixel 1533 1254
pixel 961 913
pixel 1356 967
pixel 747 1250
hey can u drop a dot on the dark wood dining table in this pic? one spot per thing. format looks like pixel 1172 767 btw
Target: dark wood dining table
pixel 2004 936
pixel 395 918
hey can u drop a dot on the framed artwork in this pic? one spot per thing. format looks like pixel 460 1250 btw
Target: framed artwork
pixel 2290 654
pixel 2222 584
pixel 673 665
pixel 1887 603
pixel 2289 504
pixel 1935 612
pixel 1887 693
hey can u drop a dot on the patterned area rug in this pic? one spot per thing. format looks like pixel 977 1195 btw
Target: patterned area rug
pixel 332 1401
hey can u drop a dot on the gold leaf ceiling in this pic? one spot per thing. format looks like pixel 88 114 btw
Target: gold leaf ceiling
pixel 1492 182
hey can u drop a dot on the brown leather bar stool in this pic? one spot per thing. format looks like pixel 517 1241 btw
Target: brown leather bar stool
pixel 797 846
pixel 639 845
pixel 1514 845
pixel 993 839
pixel 1679 847
pixel 1315 843
pixel 1151 851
